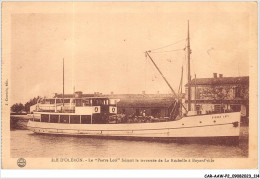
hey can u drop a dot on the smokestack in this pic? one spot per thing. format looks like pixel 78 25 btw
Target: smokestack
pixel 220 75
pixel 215 75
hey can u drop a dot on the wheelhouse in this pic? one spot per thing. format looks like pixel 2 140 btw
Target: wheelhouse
pixel 91 110
pixel 69 104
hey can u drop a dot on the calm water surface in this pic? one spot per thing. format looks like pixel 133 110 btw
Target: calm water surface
pixel 27 144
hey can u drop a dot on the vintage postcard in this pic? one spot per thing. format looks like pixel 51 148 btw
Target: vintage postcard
pixel 129 85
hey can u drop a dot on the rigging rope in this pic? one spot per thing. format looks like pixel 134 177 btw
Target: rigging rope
pixel 169 50
pixel 167 45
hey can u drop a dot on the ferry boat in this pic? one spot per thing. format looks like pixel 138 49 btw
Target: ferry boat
pixel 97 116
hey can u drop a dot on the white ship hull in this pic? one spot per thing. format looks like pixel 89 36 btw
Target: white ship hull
pixel 203 126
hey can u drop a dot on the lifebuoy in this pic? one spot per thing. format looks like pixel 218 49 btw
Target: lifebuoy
pixel 113 109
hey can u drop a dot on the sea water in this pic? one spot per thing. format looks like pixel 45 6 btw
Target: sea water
pixel 25 144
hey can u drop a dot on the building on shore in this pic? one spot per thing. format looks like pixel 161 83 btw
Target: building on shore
pixel 219 94
pixel 208 95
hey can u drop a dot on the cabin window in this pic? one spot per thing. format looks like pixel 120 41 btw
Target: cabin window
pixel 95 102
pixel 45 118
pixel 98 102
pixel 54 118
pixel 52 101
pixel 47 101
pixel 78 102
pixel 64 119
pixel 75 119
pixel 85 119
pixel 86 102
pixel 97 119
pixel 58 101
pixel 66 100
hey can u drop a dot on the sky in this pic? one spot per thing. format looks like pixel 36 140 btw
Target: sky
pixel 103 46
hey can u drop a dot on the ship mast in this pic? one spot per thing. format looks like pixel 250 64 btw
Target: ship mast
pixel 63 85
pixel 189 78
